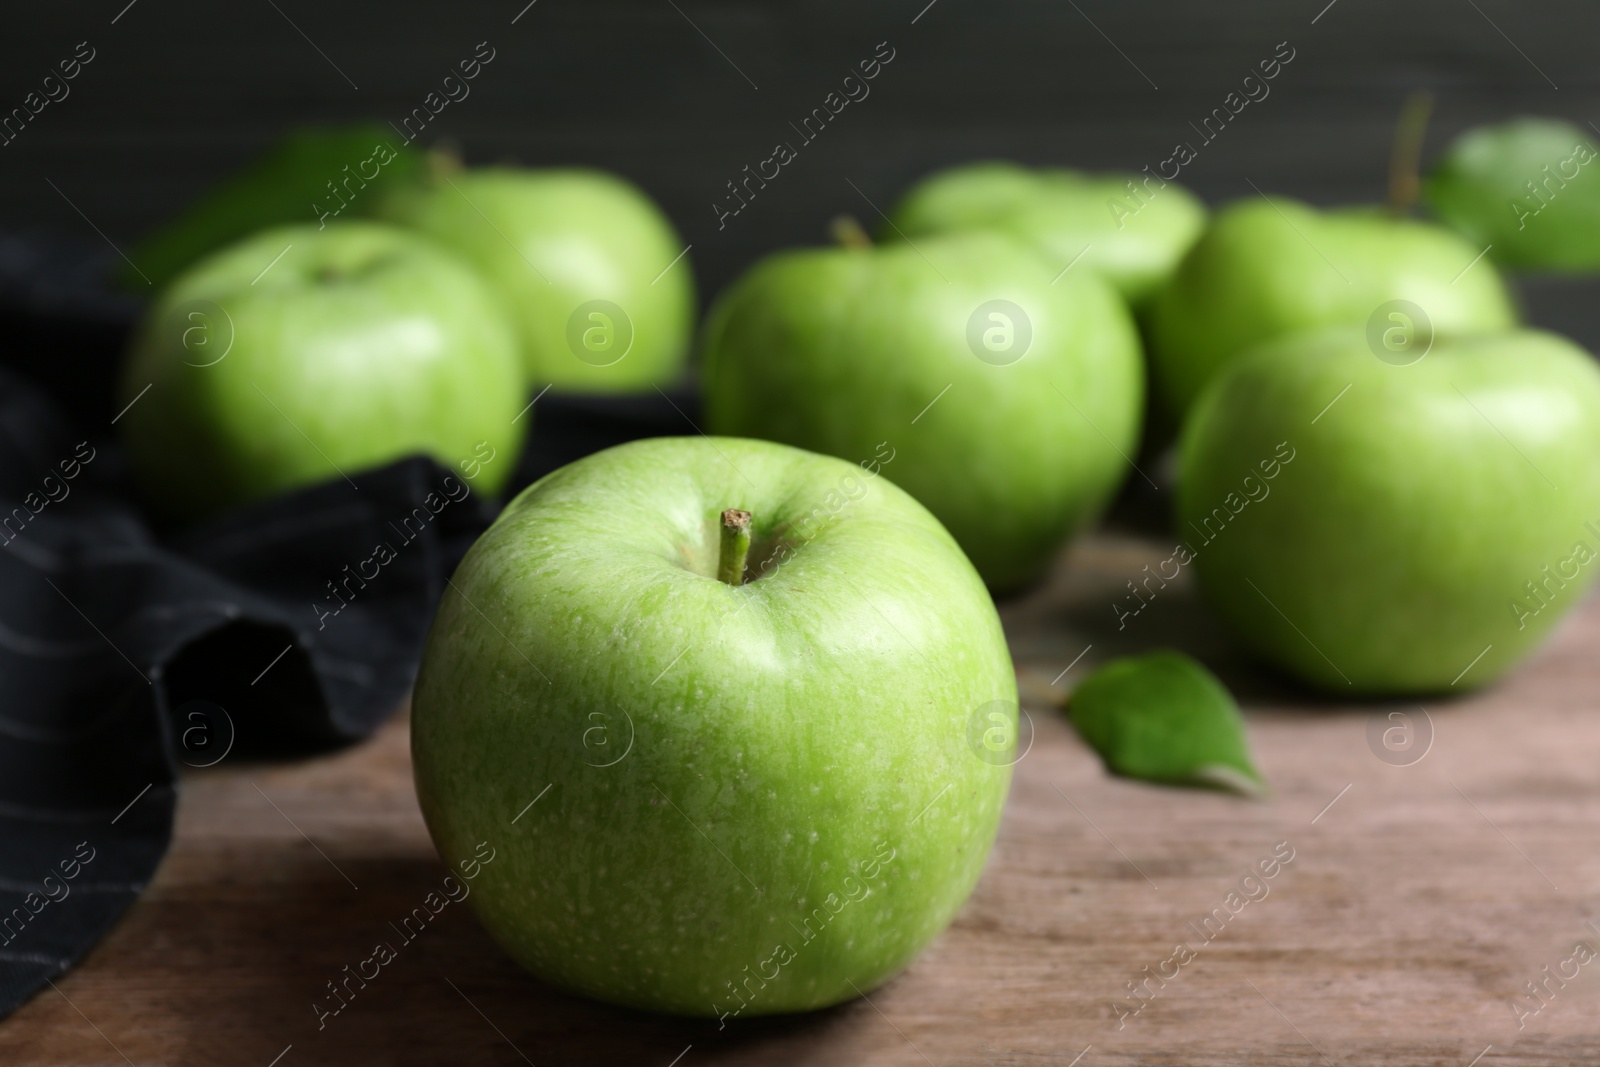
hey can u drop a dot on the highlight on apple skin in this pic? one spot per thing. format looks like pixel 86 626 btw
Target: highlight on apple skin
pixel 302 354
pixel 711 798
pixel 1429 523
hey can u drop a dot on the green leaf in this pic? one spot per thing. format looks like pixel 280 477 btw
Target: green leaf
pixel 290 184
pixel 1164 718
pixel 1529 188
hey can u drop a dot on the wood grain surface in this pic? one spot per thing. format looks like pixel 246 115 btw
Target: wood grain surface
pixel 1419 901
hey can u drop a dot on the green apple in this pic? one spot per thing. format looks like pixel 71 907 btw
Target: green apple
pixel 1381 528
pixel 1009 397
pixel 589 266
pixel 1132 228
pixel 342 172
pixel 1527 188
pixel 1266 269
pixel 714 796
pixel 305 354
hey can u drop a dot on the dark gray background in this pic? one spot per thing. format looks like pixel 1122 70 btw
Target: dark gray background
pixel 181 92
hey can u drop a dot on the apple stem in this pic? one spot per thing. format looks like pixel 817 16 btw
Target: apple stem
pixel 735 546
pixel 444 161
pixel 1405 157
pixel 848 232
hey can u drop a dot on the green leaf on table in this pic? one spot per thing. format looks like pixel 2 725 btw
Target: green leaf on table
pixel 1164 718
pixel 325 172
pixel 1527 190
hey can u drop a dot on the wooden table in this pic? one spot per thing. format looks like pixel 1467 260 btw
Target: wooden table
pixel 1419 901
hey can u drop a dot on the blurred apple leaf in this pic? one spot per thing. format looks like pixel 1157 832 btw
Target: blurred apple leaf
pixel 1163 717
pixel 313 173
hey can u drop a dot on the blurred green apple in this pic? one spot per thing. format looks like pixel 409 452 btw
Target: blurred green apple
pixel 312 172
pixel 304 354
pixel 1132 228
pixel 1386 527
pixel 1526 187
pixel 1267 269
pixel 715 796
pixel 1010 397
pixel 589 267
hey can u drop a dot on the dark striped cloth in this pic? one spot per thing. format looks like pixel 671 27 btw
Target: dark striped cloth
pixel 124 657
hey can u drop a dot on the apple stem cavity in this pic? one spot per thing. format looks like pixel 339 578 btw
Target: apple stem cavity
pixel 1405 157
pixel 847 232
pixel 735 546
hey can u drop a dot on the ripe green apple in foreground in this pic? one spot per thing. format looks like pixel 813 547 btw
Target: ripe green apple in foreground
pixel 745 798
pixel 1132 228
pixel 582 259
pixel 302 355
pixel 1389 529
pixel 1528 188
pixel 1004 401
pixel 1264 270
